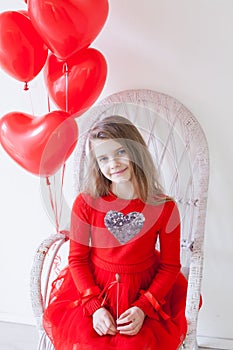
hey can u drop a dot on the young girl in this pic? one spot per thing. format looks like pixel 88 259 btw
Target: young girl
pixel 118 292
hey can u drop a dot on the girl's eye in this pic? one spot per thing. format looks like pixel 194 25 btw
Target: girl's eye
pixel 121 152
pixel 102 159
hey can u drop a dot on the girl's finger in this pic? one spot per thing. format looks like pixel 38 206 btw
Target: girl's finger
pixel 125 314
pixel 124 320
pixel 126 317
pixel 128 331
pixel 98 331
pixel 109 329
pixel 126 328
pixel 109 325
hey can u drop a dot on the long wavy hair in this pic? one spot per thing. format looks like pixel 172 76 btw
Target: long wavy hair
pixel 144 178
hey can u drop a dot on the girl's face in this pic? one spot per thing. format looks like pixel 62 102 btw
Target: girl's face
pixel 113 160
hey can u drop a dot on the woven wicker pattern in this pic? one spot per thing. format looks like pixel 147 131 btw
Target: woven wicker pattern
pixel 180 152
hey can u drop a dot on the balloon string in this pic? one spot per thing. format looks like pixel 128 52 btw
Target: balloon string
pixel 54 198
pixel 106 290
pixel 117 295
pixel 56 264
pixel 49 106
pixel 61 190
pixel 26 88
pixel 53 204
pixel 66 72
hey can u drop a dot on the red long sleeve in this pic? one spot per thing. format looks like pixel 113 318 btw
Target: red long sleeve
pixel 79 252
pixel 169 266
pixel 87 223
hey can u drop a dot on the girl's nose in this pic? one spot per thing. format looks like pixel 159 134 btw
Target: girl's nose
pixel 113 162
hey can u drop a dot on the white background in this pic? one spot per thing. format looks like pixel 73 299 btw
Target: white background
pixel 178 47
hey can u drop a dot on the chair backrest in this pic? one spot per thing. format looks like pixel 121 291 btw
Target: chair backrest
pixel 180 152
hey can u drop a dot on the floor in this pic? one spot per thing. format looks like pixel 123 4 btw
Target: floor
pixel 17 337
pixel 22 337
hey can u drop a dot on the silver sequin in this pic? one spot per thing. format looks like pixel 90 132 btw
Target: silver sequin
pixel 124 227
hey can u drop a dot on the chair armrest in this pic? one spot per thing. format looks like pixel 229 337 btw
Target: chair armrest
pixel 38 298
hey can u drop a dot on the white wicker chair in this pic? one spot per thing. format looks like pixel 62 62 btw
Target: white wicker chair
pixel 180 151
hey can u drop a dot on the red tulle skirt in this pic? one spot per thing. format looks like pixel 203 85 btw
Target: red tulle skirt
pixel 69 328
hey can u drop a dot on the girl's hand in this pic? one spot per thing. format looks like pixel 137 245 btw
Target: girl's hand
pixel 103 322
pixel 131 321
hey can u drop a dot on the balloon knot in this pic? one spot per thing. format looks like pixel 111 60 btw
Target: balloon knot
pixel 118 279
pixel 65 68
pixel 47 181
pixel 26 86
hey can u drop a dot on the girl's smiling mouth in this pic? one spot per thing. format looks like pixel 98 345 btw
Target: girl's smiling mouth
pixel 119 172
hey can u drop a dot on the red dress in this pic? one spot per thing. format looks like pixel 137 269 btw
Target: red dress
pixel 110 236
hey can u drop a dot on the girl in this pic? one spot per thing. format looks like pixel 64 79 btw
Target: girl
pixel 118 292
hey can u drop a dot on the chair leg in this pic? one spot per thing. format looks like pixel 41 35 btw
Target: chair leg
pixel 184 347
pixel 45 343
pixel 196 345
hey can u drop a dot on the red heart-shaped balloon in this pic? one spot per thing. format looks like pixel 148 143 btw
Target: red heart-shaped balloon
pixel 68 25
pixel 22 51
pixel 39 144
pixel 85 79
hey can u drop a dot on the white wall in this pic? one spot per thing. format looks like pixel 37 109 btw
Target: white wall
pixel 179 47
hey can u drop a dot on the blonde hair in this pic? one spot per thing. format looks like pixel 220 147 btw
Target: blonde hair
pixel 145 179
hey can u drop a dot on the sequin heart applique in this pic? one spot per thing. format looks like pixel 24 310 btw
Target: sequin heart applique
pixel 124 227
